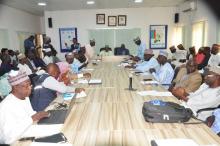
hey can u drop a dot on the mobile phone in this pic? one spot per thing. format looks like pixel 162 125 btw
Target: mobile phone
pixel 147 79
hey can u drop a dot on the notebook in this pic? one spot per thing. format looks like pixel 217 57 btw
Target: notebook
pixel 57 116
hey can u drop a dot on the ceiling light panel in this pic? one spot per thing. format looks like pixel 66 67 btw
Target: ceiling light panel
pixel 90 2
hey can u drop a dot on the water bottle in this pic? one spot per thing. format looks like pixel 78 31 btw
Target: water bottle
pixel 75 68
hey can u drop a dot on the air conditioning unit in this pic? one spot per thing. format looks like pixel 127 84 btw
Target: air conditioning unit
pixel 188 6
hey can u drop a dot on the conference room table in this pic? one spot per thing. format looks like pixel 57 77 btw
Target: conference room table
pixel 110 115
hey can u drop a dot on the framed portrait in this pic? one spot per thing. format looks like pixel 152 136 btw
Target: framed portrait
pixel 158 36
pixel 100 18
pixel 122 19
pixel 112 20
pixel 66 37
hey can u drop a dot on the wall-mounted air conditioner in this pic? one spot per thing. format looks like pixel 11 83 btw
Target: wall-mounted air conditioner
pixel 188 6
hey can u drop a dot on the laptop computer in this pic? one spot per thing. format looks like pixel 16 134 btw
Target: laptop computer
pixel 57 116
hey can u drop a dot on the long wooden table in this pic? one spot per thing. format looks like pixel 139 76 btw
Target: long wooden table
pixel 111 115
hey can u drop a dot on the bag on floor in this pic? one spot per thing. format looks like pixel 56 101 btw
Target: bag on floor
pixel 158 111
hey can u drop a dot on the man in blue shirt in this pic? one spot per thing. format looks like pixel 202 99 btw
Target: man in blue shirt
pixel 29 44
pixel 149 62
pixel 140 49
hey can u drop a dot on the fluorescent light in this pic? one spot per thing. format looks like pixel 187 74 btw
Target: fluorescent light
pixel 42 4
pixel 138 1
pixel 90 2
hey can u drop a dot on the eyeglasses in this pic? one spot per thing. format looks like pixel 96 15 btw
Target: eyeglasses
pixel 25 85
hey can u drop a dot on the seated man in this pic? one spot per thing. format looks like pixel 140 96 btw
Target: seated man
pixel 121 50
pixel 214 121
pixel 205 61
pixel 34 62
pixel 165 73
pixel 22 64
pixel 149 62
pixel 46 87
pixel 207 96
pixel 173 51
pixel 107 51
pixel 73 68
pixel 47 56
pixel 215 56
pixel 182 53
pixel 16 113
pixel 191 53
pixel 6 65
pixel 188 78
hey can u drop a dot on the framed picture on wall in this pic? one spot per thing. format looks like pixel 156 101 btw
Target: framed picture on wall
pixel 100 18
pixel 158 36
pixel 66 37
pixel 112 20
pixel 122 20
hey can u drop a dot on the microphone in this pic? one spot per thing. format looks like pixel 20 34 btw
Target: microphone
pixel 130 88
pixel 130 82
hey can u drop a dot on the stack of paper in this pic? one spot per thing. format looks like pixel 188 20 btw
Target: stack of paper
pixel 39 130
pixel 95 81
pixel 83 81
pixel 88 69
pixel 175 142
pixel 154 93
pixel 149 82
pixel 123 64
pixel 92 81
pixel 81 94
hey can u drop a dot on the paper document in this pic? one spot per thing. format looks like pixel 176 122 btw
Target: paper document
pixel 81 94
pixel 49 144
pixel 175 142
pixel 123 64
pixel 42 130
pixel 68 96
pixel 88 69
pixel 149 82
pixel 154 93
pixel 92 81
pixel 95 81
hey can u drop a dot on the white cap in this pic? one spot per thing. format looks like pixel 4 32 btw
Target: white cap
pixel 47 50
pixel 163 53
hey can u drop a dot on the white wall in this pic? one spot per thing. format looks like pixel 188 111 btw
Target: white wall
pixel 218 32
pixel 202 13
pixel 16 20
pixel 86 19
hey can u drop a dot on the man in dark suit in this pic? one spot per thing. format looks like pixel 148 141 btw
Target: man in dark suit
pixel 122 50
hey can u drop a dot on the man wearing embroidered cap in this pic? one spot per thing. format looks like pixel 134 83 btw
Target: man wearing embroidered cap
pixel 149 62
pixel 165 73
pixel 16 113
pixel 140 49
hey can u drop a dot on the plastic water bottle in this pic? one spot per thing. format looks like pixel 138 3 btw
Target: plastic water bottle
pixel 75 68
